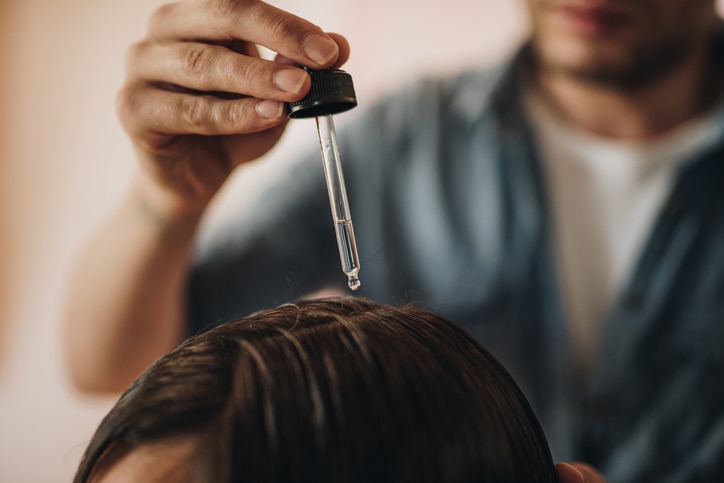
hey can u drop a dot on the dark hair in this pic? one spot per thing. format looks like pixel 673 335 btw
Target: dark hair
pixel 338 390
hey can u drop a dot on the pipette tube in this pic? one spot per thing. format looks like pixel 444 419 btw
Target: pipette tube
pixel 334 176
pixel 332 92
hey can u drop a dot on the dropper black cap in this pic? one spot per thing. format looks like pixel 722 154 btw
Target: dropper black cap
pixel 332 92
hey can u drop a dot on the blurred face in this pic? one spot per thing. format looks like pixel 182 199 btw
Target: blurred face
pixel 623 43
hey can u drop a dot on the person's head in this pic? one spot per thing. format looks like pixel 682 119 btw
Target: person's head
pixel 623 43
pixel 338 390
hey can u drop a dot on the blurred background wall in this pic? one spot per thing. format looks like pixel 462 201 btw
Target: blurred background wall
pixel 65 163
pixel 4 162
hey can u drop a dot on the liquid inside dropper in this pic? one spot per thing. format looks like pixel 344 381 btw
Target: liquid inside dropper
pixel 348 252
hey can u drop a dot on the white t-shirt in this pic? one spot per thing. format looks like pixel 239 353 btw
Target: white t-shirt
pixel 604 197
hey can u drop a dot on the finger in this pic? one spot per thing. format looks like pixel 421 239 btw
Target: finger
pixel 222 21
pixel 145 111
pixel 214 68
pixel 577 473
pixel 590 475
pixel 344 51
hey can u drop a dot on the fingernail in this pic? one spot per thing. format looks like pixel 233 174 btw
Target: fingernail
pixel 290 80
pixel 320 49
pixel 568 473
pixel 270 109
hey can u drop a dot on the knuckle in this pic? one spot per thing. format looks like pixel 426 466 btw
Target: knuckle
pixel 205 115
pixel 196 112
pixel 225 7
pixel 198 60
pixel 284 25
pixel 243 74
pixel 228 11
pixel 226 69
pixel 236 115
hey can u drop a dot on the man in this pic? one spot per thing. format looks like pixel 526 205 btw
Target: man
pixel 570 199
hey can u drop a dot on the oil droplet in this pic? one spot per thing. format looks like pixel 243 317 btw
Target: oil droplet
pixel 354 283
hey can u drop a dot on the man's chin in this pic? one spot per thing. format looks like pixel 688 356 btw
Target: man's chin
pixel 581 64
pixel 608 64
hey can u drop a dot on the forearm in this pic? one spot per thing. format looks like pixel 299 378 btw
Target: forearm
pixel 125 306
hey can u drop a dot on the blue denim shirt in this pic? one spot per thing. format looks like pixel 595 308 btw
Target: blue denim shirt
pixel 450 211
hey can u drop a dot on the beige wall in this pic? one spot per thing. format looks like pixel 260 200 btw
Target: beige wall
pixel 4 162
pixel 64 163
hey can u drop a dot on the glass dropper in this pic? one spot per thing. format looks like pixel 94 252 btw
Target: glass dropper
pixel 332 92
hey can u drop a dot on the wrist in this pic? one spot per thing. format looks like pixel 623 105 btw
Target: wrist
pixel 163 210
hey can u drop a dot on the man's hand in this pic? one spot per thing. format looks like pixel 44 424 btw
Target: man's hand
pixel 577 473
pixel 198 100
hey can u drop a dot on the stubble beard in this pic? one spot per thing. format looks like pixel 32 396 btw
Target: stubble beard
pixel 632 74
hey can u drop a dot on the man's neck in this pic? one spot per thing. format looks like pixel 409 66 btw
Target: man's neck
pixel 636 114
